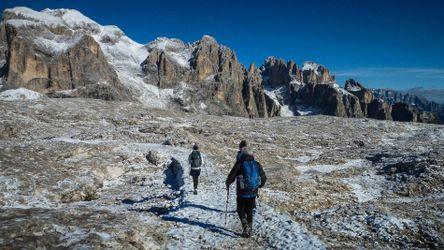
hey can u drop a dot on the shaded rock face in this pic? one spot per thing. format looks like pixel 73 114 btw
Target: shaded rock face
pixel 429 117
pixel 273 107
pixel 330 99
pixel 379 109
pixel 51 59
pixel 254 95
pixel 276 72
pixel 310 85
pixel 407 113
pixel 403 112
pixel 365 95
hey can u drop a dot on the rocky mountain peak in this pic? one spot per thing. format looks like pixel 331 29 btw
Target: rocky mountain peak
pixel 353 86
pixel 164 43
pixel 252 68
pixel 316 73
pixel 365 95
pixel 278 72
pixel 208 39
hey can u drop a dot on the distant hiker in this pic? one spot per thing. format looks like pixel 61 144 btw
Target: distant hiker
pixel 196 161
pixel 249 176
pixel 242 148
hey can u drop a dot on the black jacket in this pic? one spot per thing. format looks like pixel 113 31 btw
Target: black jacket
pixel 237 170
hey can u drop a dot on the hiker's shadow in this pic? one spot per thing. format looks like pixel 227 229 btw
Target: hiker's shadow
pixel 207 226
pixel 159 211
pixel 203 207
pixel 149 198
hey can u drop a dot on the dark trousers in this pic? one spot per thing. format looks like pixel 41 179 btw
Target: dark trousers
pixel 245 208
pixel 195 174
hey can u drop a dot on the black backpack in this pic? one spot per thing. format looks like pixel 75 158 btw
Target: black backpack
pixel 195 159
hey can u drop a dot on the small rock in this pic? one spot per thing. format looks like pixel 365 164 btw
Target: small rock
pixel 169 142
pixel 153 157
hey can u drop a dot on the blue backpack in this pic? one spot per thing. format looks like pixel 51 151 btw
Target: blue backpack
pixel 250 180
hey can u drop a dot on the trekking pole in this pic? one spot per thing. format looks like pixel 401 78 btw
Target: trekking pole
pixel 226 205
pixel 257 200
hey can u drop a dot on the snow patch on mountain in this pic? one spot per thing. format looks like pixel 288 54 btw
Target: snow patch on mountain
pixel 20 22
pixel 280 97
pixel 72 18
pixel 357 163
pixel 36 16
pixel 58 44
pixel 175 49
pixel 354 88
pixel 311 66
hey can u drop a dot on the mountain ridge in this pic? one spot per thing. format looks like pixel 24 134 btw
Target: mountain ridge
pixel 202 76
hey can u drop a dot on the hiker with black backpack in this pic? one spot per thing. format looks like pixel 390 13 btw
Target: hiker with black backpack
pixel 195 160
pixel 249 176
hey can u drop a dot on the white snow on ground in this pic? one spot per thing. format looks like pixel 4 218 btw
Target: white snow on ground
pixel 203 215
pixel 366 187
pixel 199 220
pixel 19 94
pixel 307 169
pixel 312 155
pixel 276 194
pixel 11 188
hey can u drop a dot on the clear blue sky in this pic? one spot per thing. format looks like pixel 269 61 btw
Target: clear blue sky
pixel 393 44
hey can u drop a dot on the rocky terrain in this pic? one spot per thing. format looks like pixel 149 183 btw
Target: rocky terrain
pixel 62 53
pixel 86 173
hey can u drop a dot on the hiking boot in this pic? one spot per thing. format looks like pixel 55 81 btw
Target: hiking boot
pixel 195 192
pixel 245 228
pixel 250 229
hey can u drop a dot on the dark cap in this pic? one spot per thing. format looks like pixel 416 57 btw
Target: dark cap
pixel 242 144
pixel 195 147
